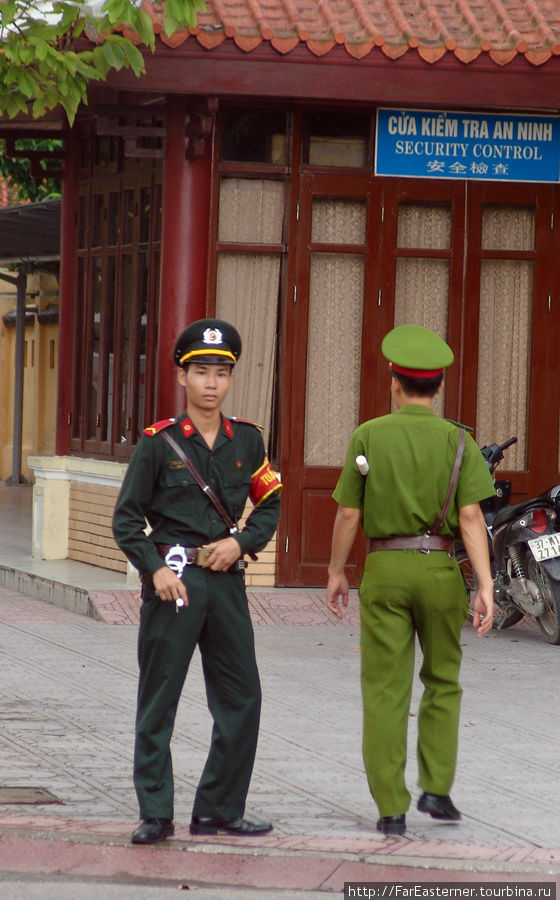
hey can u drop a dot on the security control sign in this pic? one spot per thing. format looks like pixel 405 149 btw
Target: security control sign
pixel 414 143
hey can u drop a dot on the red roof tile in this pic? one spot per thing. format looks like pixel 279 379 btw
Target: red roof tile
pixel 501 28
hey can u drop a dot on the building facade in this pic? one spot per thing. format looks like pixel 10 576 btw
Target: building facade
pixel 316 175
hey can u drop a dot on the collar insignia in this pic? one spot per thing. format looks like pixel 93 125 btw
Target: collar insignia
pixel 187 428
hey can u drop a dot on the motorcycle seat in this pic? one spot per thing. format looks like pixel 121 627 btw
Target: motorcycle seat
pixel 508 513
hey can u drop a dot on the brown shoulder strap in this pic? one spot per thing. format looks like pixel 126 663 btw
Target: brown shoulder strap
pixel 452 481
pixel 205 488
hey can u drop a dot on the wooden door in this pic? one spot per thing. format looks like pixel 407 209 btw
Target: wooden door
pixel 423 253
pixel 510 365
pixel 330 363
pixel 474 262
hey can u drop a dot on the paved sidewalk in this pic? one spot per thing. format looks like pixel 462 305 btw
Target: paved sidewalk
pixel 67 698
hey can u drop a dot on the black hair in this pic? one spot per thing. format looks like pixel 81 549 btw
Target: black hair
pixel 418 387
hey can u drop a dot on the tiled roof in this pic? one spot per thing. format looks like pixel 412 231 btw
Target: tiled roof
pixel 503 29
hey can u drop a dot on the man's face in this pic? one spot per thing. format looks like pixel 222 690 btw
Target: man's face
pixel 206 385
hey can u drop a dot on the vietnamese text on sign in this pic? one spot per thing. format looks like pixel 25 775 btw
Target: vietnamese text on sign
pixel 426 144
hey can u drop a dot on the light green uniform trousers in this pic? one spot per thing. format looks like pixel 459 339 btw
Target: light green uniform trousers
pixel 404 593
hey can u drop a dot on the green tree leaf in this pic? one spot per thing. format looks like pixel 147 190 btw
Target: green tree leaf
pixel 42 65
pixel 145 28
pixel 113 54
pixel 26 83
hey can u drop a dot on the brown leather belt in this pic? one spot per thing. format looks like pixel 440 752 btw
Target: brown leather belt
pixel 190 556
pixel 193 556
pixel 422 542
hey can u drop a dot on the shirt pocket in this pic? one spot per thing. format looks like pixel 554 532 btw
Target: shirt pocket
pixel 236 490
pixel 175 479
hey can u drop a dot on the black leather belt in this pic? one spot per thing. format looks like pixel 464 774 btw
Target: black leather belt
pixel 422 542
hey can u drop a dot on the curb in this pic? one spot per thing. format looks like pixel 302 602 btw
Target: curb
pixel 102 849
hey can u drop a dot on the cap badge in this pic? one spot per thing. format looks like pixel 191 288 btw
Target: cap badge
pixel 212 336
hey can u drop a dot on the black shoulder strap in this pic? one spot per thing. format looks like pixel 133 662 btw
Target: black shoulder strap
pixel 452 481
pixel 205 488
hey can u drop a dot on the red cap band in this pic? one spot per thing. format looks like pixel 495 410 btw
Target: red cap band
pixel 416 373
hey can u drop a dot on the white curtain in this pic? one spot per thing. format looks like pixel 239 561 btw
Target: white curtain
pixel 247 290
pixel 334 344
pixel 504 355
pixel 334 337
pixel 251 211
pixel 422 284
pixel 504 341
pixel 247 296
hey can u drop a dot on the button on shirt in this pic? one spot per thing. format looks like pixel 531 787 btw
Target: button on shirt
pixel 410 455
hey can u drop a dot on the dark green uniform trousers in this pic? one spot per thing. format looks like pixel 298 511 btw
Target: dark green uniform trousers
pixel 403 593
pixel 217 618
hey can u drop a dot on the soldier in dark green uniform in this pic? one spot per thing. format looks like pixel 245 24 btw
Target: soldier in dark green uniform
pixel 411 585
pixel 193 585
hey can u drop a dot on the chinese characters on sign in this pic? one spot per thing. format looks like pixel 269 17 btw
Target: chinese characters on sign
pixel 431 144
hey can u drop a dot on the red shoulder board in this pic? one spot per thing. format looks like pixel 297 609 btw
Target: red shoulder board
pixel 247 422
pixel 263 483
pixel 158 426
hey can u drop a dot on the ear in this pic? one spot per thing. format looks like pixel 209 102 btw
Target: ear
pixel 182 377
pixel 440 388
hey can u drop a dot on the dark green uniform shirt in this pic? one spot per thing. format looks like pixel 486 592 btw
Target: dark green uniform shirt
pixel 158 488
pixel 410 454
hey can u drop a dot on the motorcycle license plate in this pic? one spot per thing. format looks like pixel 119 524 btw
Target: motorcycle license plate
pixel 545 547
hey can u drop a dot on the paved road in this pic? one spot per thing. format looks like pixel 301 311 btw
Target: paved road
pixel 67 708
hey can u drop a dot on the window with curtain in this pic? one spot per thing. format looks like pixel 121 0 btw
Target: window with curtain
pixel 250 249
pixel 336 291
pixel 422 283
pixel 506 308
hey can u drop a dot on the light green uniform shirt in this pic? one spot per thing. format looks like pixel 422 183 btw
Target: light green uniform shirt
pixel 410 455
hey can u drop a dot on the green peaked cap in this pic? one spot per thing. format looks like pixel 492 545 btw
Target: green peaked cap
pixel 417 348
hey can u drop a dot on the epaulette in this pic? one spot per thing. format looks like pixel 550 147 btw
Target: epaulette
pixel 246 422
pixel 459 425
pixel 158 426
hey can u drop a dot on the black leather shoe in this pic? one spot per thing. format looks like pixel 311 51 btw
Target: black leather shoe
pixel 229 826
pixel 392 824
pixel 439 807
pixel 150 831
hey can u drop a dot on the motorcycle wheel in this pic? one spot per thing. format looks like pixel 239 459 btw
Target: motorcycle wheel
pixel 549 622
pixel 471 586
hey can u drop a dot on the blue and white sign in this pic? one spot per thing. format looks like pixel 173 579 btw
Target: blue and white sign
pixel 430 144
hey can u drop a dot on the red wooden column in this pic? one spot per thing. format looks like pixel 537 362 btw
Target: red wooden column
pixel 66 291
pixel 184 257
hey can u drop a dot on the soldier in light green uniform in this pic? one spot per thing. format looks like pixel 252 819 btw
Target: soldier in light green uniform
pixel 407 591
pixel 192 597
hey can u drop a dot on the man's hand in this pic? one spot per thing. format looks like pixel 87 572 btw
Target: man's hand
pixel 168 587
pixel 475 539
pixel 483 611
pixel 223 554
pixel 337 587
pixel 345 527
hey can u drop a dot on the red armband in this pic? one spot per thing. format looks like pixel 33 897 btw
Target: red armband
pixel 263 483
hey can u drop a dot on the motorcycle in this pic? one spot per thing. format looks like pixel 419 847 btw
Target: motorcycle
pixel 524 546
